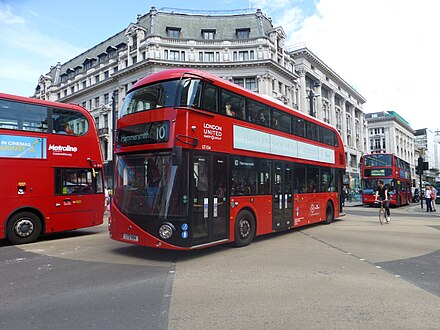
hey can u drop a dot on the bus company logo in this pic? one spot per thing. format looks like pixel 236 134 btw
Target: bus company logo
pixel 213 132
pixel 60 150
pixel 314 209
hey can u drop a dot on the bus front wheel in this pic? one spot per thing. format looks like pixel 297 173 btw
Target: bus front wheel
pixel 23 227
pixel 244 229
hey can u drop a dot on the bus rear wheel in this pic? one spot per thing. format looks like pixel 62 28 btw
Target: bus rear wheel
pixel 23 227
pixel 244 229
pixel 329 213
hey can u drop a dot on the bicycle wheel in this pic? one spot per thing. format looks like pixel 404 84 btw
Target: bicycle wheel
pixel 382 215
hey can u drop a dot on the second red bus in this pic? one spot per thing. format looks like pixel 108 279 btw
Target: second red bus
pixel 393 171
pixel 51 167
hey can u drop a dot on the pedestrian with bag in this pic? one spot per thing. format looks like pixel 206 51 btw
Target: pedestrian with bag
pixel 433 197
pixel 428 199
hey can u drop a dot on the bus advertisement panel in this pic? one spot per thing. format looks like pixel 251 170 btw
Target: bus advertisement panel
pixel 202 161
pixel 51 167
pixel 393 171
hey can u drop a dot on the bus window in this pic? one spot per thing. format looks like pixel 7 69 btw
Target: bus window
pixel 69 122
pixel 150 97
pixel 258 113
pixel 73 181
pixel 209 99
pixel 299 179
pixel 327 136
pixel 22 116
pixel 313 185
pixel 298 127
pixel 191 93
pixel 312 131
pixel 233 105
pixel 281 121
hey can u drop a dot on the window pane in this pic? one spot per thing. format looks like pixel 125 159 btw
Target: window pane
pixel 74 181
pixel 233 105
pixel 69 122
pixel 23 116
pixel 259 113
pixel 150 97
pixel 298 126
pixel 281 121
pixel 209 100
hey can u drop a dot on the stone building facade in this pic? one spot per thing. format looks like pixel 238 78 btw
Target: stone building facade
pixel 325 95
pixel 243 47
pixel 388 132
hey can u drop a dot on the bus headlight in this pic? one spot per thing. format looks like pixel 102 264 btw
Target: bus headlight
pixel 166 230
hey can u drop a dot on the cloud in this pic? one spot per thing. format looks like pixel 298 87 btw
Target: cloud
pixel 7 17
pixel 27 52
pixel 387 49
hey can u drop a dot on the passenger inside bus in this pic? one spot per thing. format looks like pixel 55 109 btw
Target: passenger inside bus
pixel 229 110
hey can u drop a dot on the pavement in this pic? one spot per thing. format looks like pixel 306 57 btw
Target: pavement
pixel 414 207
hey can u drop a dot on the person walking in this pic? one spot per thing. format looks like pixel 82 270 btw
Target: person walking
pixel 433 197
pixel 428 199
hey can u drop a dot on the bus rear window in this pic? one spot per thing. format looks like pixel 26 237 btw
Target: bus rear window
pixel 150 97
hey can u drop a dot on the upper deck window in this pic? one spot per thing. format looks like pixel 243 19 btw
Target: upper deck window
pixel 23 116
pixel 378 160
pixel 150 97
pixel 69 122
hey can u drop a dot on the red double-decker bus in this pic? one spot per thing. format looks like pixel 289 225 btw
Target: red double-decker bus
pixel 202 161
pixel 51 168
pixel 393 171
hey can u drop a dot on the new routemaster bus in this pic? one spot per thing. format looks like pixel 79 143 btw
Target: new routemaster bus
pixel 202 161
pixel 51 169
pixel 393 171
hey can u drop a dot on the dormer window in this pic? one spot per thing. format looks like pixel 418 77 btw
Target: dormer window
pixel 208 34
pixel 243 33
pixel 173 32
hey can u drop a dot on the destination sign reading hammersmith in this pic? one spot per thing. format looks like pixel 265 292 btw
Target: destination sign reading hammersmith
pixel 145 133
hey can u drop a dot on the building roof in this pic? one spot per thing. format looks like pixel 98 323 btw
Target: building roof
pixel 190 23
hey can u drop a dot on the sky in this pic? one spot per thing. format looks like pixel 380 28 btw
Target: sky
pixel 388 50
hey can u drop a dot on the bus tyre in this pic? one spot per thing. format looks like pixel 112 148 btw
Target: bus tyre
pixel 329 213
pixel 24 227
pixel 244 229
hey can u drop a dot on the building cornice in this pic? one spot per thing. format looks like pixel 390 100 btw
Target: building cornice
pixel 306 53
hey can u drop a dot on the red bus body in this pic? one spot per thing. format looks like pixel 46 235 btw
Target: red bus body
pixel 252 187
pixel 393 171
pixel 36 157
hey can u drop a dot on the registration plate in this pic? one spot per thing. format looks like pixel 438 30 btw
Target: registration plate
pixel 130 237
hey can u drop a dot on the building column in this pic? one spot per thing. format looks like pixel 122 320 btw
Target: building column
pixel 332 108
pixel 302 90
pixel 344 122
pixel 318 104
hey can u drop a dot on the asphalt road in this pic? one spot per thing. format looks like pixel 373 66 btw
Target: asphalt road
pixel 354 273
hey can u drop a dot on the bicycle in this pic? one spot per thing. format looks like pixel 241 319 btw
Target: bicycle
pixel 382 214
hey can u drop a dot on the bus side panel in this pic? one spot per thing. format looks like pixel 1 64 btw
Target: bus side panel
pixel 261 206
pixel 311 208
pixel 24 189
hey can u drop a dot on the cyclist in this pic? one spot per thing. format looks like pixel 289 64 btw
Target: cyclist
pixel 383 196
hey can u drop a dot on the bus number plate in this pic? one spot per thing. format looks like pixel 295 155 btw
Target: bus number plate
pixel 130 237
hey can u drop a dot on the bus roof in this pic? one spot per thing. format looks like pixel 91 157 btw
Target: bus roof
pixel 177 74
pixel 41 102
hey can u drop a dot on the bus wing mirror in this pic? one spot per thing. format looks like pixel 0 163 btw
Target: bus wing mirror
pixel 176 156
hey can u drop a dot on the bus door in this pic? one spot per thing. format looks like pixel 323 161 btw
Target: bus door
pixel 78 200
pixel 282 196
pixel 209 206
